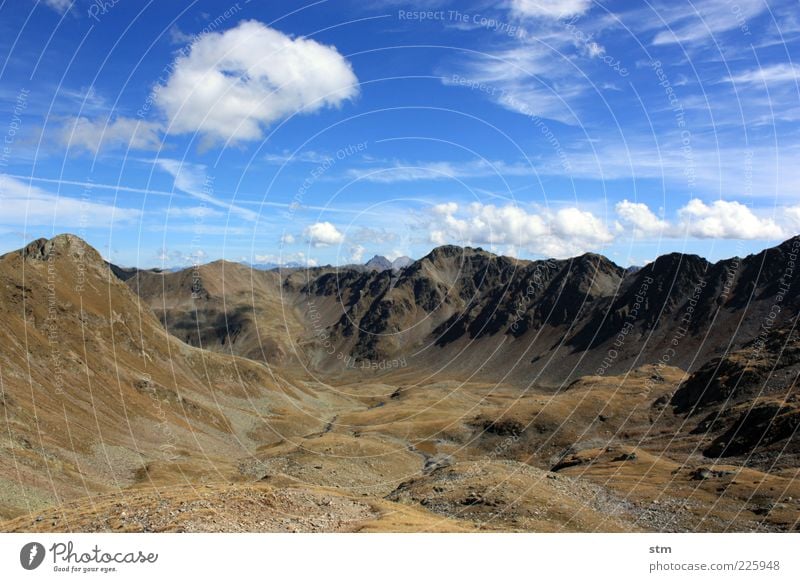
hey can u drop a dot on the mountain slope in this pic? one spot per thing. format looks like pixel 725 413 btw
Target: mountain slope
pixel 554 320
pixel 96 395
pixel 224 307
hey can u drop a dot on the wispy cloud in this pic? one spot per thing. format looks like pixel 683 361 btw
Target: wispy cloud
pixel 439 170
pixel 195 181
pixel 303 157
pixel 25 204
pixel 122 132
pixel 777 73
pixel 697 22
pixel 60 6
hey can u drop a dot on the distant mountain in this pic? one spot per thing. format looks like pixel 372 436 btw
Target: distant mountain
pixel 401 263
pixel 378 263
pixel 272 266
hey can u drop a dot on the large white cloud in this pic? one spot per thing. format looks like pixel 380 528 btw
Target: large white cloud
pixel 92 134
pixel 323 234
pixel 562 233
pixel 232 84
pixel 641 219
pixel 723 219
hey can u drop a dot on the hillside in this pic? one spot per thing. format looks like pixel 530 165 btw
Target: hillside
pixel 96 396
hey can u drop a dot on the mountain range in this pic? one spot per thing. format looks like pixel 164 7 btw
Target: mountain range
pixel 403 394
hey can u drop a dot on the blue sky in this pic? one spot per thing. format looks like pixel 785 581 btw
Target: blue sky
pixel 170 133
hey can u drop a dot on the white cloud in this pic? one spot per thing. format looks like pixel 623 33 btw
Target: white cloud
pixel 94 134
pixel 531 79
pixel 357 253
pixel 178 258
pixel 723 219
pixel 233 84
pixel 570 231
pixel 287 239
pixel 395 254
pixel 23 204
pixel 779 73
pixel 562 233
pixel 573 223
pixel 550 8
pixel 188 177
pixel 792 215
pixel 595 49
pixel 641 219
pixel 446 208
pixel 322 234
pixel 60 6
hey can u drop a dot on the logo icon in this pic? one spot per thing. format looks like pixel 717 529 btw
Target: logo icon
pixel 31 555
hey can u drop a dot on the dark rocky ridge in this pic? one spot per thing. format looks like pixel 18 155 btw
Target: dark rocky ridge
pixel 566 317
pixel 556 319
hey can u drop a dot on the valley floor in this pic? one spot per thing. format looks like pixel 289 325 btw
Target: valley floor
pixel 450 456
